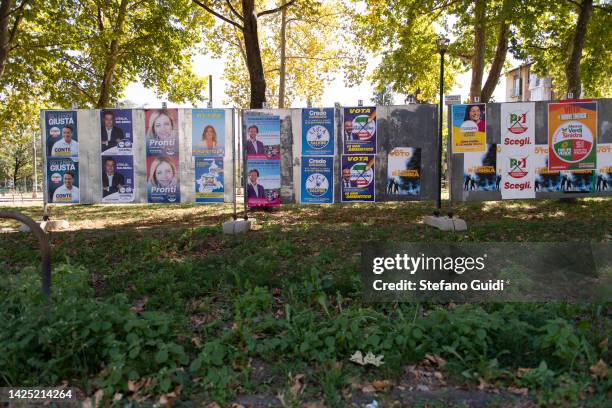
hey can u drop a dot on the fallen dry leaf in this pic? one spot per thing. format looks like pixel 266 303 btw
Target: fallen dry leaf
pixel 98 396
pixel 521 372
pixel 434 360
pixel 373 359
pixel 603 344
pixel 381 385
pixel 518 391
pixel 482 384
pixel 357 357
pixel 600 369
pixel 298 385
pixel 368 389
pixel 139 305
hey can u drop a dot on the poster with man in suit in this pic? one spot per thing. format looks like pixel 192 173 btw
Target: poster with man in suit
pixel 116 131
pixel 117 179
pixel 263 137
pixel 263 184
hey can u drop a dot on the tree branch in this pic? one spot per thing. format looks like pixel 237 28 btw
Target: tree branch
pixel 275 10
pixel 218 15
pixel 229 3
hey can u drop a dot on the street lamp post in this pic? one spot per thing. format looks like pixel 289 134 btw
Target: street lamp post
pixel 442 46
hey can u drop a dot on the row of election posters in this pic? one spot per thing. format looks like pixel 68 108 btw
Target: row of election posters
pixel 571 162
pixel 358 159
pixel 62 154
pixel 117 158
pixel 263 160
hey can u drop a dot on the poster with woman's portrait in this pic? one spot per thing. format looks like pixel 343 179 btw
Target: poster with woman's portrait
pixel 163 179
pixel 469 128
pixel 162 132
pixel 208 132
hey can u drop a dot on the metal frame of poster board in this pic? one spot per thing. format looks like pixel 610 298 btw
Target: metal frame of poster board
pixel 494 134
pixel 90 158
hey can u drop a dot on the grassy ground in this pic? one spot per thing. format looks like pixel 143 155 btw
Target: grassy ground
pixel 154 302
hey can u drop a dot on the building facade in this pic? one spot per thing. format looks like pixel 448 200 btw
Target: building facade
pixel 523 85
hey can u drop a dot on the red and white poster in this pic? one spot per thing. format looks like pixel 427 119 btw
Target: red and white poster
pixel 516 159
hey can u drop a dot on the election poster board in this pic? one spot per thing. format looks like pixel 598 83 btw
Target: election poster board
pixel 480 170
pixel 469 128
pixel 264 183
pixel 318 132
pixel 603 174
pixel 516 158
pixel 117 179
pixel 263 137
pixel 209 179
pixel 116 132
pixel 162 143
pixel 546 181
pixel 572 135
pixel 317 180
pixel 61 133
pixel 63 180
pixel 404 172
pixel 358 178
pixel 208 132
pixel 359 130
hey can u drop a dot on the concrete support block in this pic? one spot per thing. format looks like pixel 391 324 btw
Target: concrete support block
pixel 445 223
pixel 236 226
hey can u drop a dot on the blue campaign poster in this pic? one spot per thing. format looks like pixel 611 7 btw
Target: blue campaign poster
pixel 209 179
pixel 359 130
pixel 63 180
pixel 116 132
pixel 317 180
pixel 208 132
pixel 318 132
pixel 117 179
pixel 61 133
pixel 358 178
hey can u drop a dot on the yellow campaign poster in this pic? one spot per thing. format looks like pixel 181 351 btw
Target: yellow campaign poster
pixel 469 128
pixel 572 135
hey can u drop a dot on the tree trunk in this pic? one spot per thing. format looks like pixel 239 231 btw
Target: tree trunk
pixel 478 60
pixel 501 50
pixel 5 44
pixel 253 54
pixel 106 86
pixel 572 66
pixel 283 60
